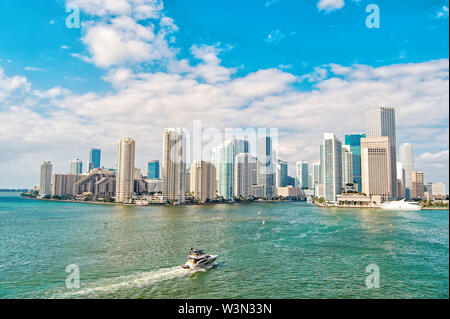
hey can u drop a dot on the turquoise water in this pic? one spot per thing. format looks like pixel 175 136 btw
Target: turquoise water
pixel 302 251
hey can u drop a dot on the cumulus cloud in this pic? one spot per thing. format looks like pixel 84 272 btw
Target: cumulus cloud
pixel 330 5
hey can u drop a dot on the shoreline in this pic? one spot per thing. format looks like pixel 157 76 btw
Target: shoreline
pixel 161 204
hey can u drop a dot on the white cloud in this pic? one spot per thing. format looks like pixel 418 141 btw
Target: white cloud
pixel 275 37
pixel 330 5
pixel 441 13
pixel 33 69
pixel 10 85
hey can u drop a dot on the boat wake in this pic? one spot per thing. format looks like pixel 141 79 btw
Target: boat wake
pixel 139 280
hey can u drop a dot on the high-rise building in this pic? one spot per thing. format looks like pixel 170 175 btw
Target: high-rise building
pixel 244 175
pixel 62 184
pixel 153 169
pixel 301 177
pixel 438 189
pixel 281 175
pixel 223 157
pixel 406 157
pixel 400 180
pixel 316 172
pixel 173 165
pixel 266 166
pixel 380 122
pixel 354 141
pixel 45 185
pixel 125 170
pixel 76 167
pixel 203 181
pixel 347 165
pixel 376 166
pixel 417 185
pixel 331 165
pixel 94 158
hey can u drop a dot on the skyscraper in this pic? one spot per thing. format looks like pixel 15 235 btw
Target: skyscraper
pixel 316 172
pixel 281 173
pixel 266 166
pixel 376 166
pixel 45 185
pixel 125 169
pixel 406 157
pixel 76 167
pixel 244 175
pixel 400 180
pixel 354 141
pixel 380 121
pixel 153 169
pixel 173 165
pixel 331 165
pixel 94 158
pixel 223 157
pixel 417 185
pixel 203 181
pixel 347 165
pixel 301 176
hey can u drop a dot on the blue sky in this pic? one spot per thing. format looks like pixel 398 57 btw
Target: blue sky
pixel 315 58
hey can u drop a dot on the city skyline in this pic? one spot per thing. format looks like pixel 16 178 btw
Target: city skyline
pixel 81 96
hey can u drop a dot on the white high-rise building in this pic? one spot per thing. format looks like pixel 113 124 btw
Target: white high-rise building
pixel 380 121
pixel 76 167
pixel 244 175
pixel 406 157
pixel 125 170
pixel 347 165
pixel 203 181
pixel 316 172
pixel 173 165
pixel 401 180
pixel 45 185
pixel 281 175
pixel 266 166
pixel 301 176
pixel 376 166
pixel 331 165
pixel 223 158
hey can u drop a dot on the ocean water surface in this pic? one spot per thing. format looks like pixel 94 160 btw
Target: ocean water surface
pixel 289 250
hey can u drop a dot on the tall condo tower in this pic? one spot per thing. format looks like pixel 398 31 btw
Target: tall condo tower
pixel 301 178
pixel 76 167
pixel 266 165
pixel 406 157
pixel 224 159
pixel 203 181
pixel 125 170
pixel 244 171
pixel 380 121
pixel 331 165
pixel 347 165
pixel 94 158
pixel 173 165
pixel 45 185
pixel 354 141
pixel 376 166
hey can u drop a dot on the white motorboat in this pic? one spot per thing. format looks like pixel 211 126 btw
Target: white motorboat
pixel 400 205
pixel 199 259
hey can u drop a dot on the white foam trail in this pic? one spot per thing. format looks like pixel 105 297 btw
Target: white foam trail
pixel 137 280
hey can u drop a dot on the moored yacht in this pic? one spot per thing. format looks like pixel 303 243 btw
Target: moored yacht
pixel 199 259
pixel 400 205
